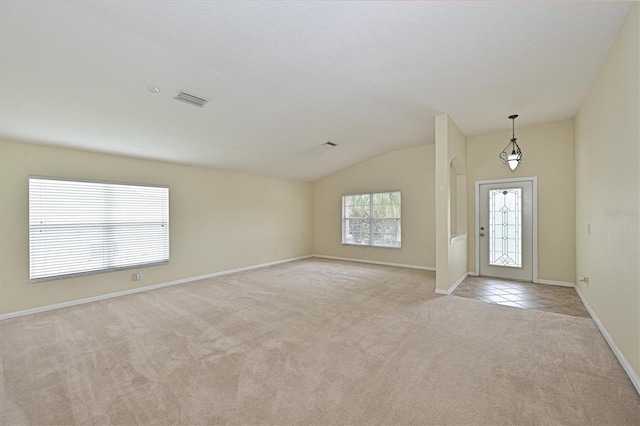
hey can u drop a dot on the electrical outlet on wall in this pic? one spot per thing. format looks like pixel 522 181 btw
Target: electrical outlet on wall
pixel 137 276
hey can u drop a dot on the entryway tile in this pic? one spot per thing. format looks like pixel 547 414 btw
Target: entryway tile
pixel 548 298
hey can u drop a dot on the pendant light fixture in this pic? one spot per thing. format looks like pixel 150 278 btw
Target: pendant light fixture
pixel 512 154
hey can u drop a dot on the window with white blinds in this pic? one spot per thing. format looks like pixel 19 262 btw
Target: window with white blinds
pixel 80 227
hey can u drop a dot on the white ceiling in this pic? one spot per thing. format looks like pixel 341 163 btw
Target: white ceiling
pixel 285 77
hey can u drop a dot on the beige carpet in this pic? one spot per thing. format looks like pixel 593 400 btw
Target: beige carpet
pixel 309 342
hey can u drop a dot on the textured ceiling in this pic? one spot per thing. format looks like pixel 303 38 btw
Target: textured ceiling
pixel 285 77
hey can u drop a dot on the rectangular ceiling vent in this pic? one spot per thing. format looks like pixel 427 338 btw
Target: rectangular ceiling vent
pixel 191 99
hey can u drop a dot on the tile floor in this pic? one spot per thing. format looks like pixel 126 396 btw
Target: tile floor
pixel 542 297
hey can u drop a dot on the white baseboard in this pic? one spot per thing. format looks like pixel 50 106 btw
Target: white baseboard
pixel 453 287
pixel 141 289
pixel 400 265
pixel 558 283
pixel 633 376
pixel 473 274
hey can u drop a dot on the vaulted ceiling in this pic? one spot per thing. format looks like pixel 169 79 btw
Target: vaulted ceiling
pixel 282 78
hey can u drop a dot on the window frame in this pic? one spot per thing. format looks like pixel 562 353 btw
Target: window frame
pixel 371 220
pixel 107 269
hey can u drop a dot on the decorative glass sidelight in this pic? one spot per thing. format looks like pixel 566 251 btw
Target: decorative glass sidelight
pixel 505 227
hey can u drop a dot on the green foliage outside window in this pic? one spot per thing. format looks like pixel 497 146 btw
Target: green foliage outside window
pixel 372 219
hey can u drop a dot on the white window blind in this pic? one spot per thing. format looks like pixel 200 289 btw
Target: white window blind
pixel 372 219
pixel 78 227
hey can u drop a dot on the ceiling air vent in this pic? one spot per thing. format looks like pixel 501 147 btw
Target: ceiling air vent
pixel 329 145
pixel 191 99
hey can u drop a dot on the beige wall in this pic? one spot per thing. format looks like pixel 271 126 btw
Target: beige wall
pixel 607 192
pixel 547 152
pixel 218 220
pixel 451 149
pixel 410 171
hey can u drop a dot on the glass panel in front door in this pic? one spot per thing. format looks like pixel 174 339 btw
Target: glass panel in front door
pixel 505 227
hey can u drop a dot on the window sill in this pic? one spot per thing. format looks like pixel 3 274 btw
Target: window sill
pixel 455 238
pixel 370 246
pixel 98 271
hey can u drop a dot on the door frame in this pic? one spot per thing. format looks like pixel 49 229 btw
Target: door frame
pixel 534 217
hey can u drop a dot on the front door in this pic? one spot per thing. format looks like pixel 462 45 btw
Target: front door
pixel 505 229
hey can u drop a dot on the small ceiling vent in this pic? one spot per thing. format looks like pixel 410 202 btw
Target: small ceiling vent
pixel 191 99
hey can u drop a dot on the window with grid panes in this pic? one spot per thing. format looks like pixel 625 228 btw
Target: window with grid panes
pixel 372 219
